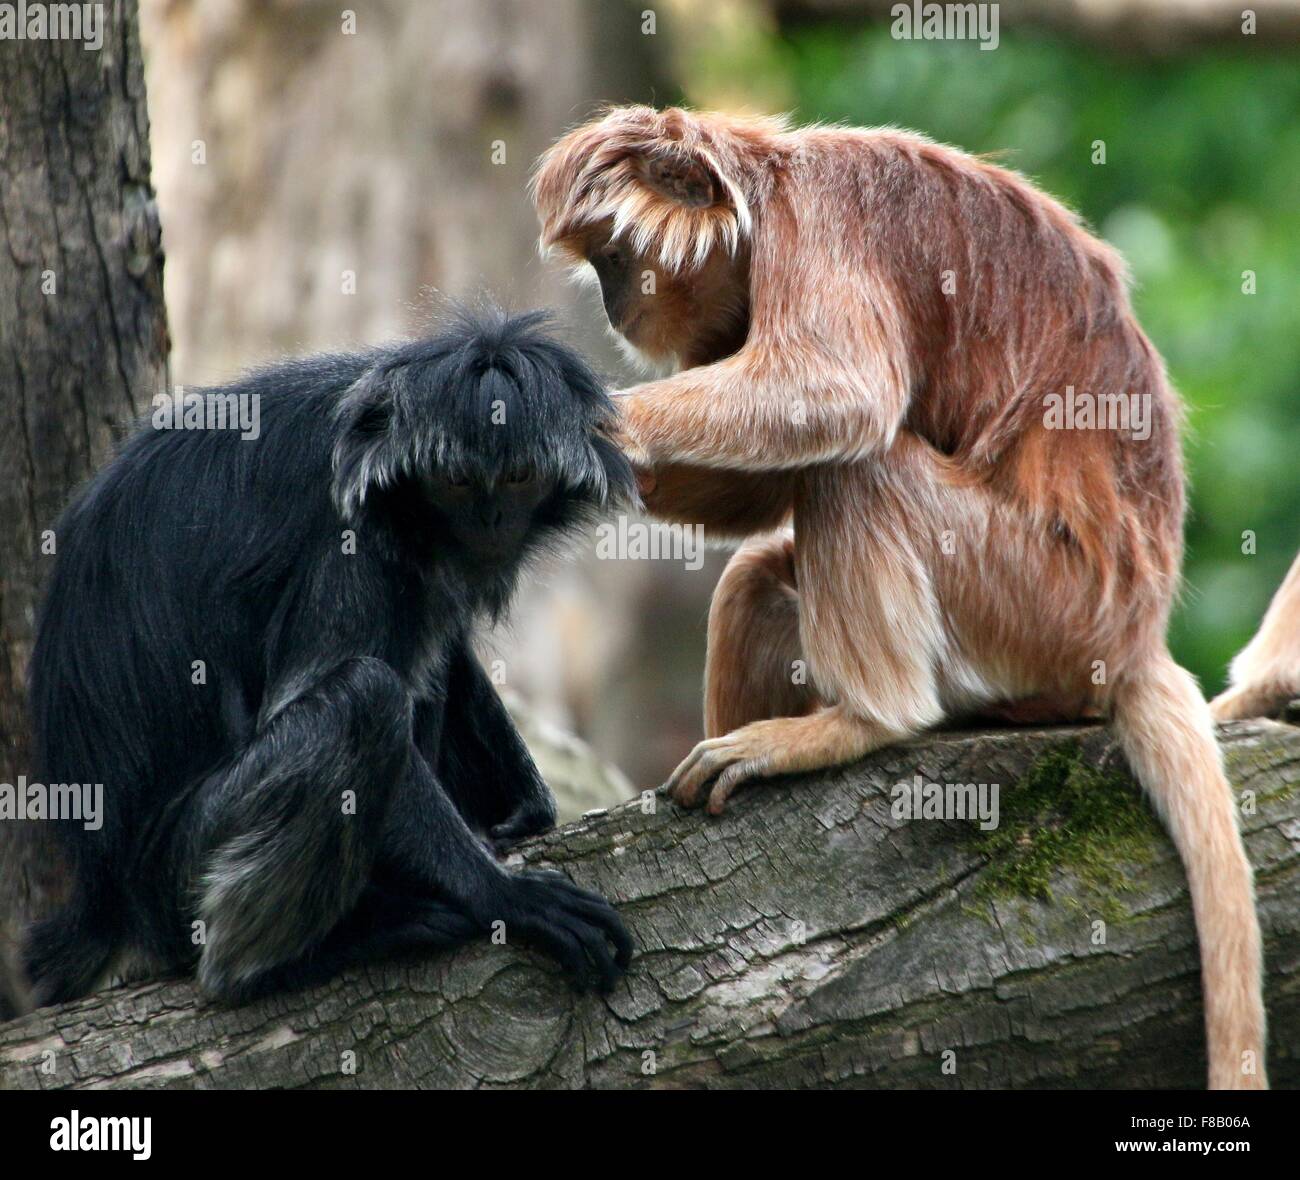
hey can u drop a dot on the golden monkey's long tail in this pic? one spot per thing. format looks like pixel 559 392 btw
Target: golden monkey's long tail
pixel 1166 731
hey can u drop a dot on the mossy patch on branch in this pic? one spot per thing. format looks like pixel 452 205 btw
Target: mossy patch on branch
pixel 1066 814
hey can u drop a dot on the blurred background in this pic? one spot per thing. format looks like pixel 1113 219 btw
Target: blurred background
pixel 325 176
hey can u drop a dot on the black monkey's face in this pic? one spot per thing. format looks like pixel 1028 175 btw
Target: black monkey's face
pixel 480 445
pixel 489 522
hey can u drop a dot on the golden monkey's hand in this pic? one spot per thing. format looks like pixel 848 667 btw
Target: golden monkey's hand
pixel 726 501
pixel 625 430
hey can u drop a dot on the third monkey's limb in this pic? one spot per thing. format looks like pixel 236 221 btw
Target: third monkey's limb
pixel 1266 674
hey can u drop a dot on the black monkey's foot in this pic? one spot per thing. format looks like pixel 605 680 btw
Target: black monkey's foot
pixel 427 924
pixel 384 925
pixel 572 925
pixel 528 819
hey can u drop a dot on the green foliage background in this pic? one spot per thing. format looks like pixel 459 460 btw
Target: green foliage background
pixel 1201 182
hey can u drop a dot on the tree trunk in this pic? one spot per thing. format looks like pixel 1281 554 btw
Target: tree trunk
pixel 809 937
pixel 83 345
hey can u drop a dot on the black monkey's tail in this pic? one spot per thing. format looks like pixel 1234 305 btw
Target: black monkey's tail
pixel 67 954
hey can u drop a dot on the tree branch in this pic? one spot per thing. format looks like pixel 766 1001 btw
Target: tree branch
pixel 807 938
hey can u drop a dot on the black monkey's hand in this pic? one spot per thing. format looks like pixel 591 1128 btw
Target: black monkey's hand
pixel 572 925
pixel 531 817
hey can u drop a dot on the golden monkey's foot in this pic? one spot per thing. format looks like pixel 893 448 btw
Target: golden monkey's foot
pixel 716 767
pixel 830 736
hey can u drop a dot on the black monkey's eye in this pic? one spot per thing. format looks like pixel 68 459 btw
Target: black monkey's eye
pixel 457 481
pixel 518 475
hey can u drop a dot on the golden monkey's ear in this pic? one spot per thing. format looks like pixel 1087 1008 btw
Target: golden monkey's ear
pixel 680 178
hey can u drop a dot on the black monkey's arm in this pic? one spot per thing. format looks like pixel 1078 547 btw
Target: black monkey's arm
pixel 430 850
pixel 483 762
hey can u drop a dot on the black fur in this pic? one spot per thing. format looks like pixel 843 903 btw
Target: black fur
pixel 326 672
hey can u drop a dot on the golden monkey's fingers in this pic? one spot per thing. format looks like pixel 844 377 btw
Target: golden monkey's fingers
pixel 736 775
pixel 830 736
pixel 682 786
pixel 623 432
pixel 617 433
pixel 730 760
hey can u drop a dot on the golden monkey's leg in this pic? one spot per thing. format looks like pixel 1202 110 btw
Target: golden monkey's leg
pixel 868 624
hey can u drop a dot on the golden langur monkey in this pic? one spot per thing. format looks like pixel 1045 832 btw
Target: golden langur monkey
pixel 869 331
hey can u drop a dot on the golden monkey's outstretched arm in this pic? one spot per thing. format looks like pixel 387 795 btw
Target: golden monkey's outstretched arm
pixel 752 413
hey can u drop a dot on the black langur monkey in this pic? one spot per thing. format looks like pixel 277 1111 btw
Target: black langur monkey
pixel 261 649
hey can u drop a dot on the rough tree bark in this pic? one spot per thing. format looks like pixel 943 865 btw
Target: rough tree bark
pixel 807 938
pixel 83 345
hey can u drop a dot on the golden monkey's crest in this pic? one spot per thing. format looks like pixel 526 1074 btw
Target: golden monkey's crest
pixel 662 179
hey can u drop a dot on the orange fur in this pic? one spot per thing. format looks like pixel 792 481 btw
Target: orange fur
pixel 905 309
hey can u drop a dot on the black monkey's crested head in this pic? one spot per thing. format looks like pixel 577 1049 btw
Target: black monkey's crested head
pixel 489 397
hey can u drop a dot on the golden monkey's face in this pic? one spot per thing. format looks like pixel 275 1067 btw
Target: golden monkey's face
pixel 615 266
pixel 687 318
